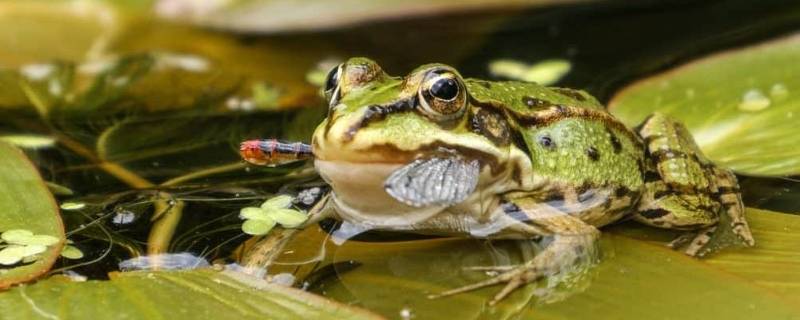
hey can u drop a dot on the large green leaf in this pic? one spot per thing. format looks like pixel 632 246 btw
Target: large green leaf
pixel 742 106
pixel 26 203
pixel 249 15
pixel 205 294
pixel 639 278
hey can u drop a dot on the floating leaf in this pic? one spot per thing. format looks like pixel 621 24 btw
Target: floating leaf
pixel 29 141
pixel 258 227
pixel 73 205
pixel 253 213
pixel 287 217
pixel 173 295
pixel 71 252
pixel 25 203
pixel 42 239
pixel 33 249
pixel 12 254
pixel 637 278
pixel 741 106
pixel 278 202
pixel 16 235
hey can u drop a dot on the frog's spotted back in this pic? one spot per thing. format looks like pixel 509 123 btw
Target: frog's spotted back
pixel 526 98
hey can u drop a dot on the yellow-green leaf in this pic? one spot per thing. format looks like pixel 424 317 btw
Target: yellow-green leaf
pixel 26 203
pixel 742 106
pixel 287 217
pixel 278 202
pixel 201 293
pixel 638 278
pixel 252 213
pixel 258 227
pixel 71 252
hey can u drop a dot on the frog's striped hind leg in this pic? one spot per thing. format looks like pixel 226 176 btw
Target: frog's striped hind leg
pixel 573 248
pixel 685 191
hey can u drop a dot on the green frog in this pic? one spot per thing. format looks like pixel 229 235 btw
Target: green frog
pixel 435 153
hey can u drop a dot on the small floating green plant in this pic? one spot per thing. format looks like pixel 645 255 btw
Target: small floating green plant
pixel 277 210
pixel 20 245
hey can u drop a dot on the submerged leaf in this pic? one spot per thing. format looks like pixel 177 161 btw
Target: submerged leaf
pixel 741 106
pixel 175 295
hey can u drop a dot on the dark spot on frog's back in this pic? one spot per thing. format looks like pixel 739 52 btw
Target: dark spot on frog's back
pixel 654 213
pixel 593 154
pixel 532 102
pixel 616 145
pixel 574 94
pixel 485 84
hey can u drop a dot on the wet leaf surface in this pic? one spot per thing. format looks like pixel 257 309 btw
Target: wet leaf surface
pixel 639 277
pixel 170 295
pixel 741 106
pixel 26 204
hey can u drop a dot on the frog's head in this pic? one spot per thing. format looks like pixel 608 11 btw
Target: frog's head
pixel 377 123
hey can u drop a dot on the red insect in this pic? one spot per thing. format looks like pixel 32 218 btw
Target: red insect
pixel 271 152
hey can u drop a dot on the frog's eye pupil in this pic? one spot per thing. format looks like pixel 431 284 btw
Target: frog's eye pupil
pixel 332 80
pixel 445 89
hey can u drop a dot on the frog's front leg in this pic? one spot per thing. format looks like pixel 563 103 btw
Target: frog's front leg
pixel 685 191
pixel 572 247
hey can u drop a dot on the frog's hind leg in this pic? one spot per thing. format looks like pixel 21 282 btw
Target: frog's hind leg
pixel 572 248
pixel 685 191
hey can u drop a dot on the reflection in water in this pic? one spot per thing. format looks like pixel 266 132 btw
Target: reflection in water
pixel 165 261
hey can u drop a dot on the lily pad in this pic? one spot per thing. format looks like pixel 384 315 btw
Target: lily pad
pixel 170 295
pixel 26 204
pixel 639 277
pixel 741 106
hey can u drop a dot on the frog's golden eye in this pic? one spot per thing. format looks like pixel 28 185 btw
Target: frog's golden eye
pixel 442 95
pixel 332 90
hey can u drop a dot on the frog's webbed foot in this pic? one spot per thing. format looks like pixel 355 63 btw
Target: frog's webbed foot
pixel 566 254
pixel 572 249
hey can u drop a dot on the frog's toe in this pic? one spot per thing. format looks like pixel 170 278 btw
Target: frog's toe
pixel 695 243
pixel 514 277
pixel 742 230
pixel 491 268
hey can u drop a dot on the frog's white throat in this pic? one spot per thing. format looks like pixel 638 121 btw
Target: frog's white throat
pixel 359 195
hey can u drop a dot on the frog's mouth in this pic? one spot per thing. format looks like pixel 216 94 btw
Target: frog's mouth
pixel 359 194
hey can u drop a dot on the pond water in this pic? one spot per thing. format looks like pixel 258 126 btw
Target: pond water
pixel 146 118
